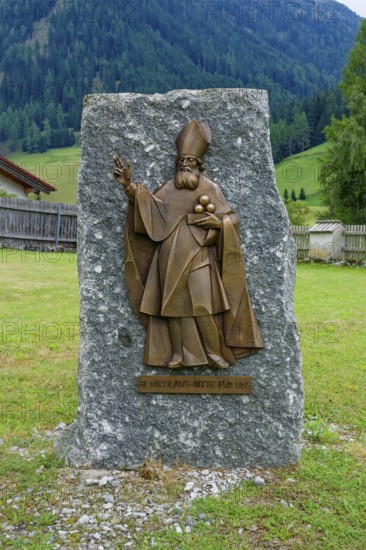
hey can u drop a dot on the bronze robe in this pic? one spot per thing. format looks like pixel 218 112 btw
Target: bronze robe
pixel 176 269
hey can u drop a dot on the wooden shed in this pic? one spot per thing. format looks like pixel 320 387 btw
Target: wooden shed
pixel 326 240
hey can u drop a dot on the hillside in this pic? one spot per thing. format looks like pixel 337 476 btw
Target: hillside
pixel 59 167
pixel 302 171
pixel 52 54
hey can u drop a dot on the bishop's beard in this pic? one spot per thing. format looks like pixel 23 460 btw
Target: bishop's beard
pixel 186 180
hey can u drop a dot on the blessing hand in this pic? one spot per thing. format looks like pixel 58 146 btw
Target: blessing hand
pixel 122 174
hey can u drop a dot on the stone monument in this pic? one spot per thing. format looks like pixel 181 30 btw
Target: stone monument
pixel 130 408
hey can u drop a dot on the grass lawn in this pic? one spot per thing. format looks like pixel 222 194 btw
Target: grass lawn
pixel 39 339
pixel 324 495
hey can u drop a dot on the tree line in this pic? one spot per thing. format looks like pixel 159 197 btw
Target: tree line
pixel 297 125
pixel 52 54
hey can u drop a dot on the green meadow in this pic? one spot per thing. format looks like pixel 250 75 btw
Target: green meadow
pixel 302 170
pixel 319 503
pixel 59 167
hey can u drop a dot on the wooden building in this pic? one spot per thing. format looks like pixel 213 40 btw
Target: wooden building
pixel 17 181
pixel 326 240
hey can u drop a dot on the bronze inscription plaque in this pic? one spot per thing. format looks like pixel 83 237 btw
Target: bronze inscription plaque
pixel 194 384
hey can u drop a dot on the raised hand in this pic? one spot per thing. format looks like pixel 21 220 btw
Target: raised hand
pixel 122 174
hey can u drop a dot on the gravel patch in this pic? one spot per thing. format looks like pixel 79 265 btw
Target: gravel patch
pixel 100 509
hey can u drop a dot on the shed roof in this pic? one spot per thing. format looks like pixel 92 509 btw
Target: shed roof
pixel 23 178
pixel 325 226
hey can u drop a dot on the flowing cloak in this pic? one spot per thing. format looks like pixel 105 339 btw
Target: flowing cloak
pixel 176 269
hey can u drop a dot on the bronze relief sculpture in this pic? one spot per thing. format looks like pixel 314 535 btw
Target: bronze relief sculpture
pixel 184 268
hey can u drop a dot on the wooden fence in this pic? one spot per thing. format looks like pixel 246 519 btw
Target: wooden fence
pixel 354 237
pixel 28 224
pixel 301 236
pixel 355 242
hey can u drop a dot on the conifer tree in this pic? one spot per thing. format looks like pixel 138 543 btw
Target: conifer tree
pixel 302 195
pixel 285 195
pixel 343 174
pixel 293 196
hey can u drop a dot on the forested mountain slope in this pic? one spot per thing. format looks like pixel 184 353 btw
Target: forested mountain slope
pixel 52 53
